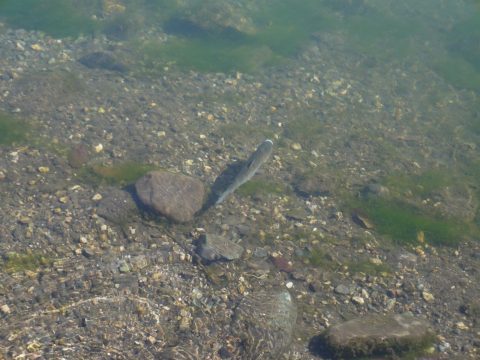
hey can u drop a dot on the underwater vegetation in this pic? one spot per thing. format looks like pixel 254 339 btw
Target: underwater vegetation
pixel 369 268
pixel 13 262
pixel 402 216
pixel 402 222
pixel 459 72
pixel 118 174
pixel 58 18
pixel 12 130
pixel 258 187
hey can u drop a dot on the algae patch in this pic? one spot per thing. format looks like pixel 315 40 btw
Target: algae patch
pixel 401 222
pixel 118 174
pixel 12 130
pixel 13 262
pixel 258 187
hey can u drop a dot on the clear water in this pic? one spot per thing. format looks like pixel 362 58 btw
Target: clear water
pixel 381 91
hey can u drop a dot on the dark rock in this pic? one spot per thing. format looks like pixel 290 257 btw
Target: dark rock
pixel 177 197
pixel 265 321
pixel 102 60
pixel 378 335
pixel 311 184
pixel 78 156
pixel 215 247
pixel 116 205
pixel 282 264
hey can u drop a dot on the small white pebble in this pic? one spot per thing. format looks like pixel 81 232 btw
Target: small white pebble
pixel 296 146
pixel 98 148
pixel 97 197
pixel 289 285
pixel 5 309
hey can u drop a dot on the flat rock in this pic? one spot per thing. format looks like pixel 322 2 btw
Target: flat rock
pixel 175 196
pixel 102 60
pixel 377 335
pixel 265 321
pixel 311 184
pixel 216 247
pixel 116 205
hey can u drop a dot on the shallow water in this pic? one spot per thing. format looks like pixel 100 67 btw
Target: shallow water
pixel 373 107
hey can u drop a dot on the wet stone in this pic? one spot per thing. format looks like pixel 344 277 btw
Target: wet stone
pixel 116 205
pixel 102 60
pixel 175 196
pixel 343 289
pixel 377 335
pixel 216 247
pixel 311 185
pixel 78 156
pixel 265 322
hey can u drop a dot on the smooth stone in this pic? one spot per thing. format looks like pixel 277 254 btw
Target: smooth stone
pixel 343 289
pixel 175 196
pixel 216 247
pixel 377 335
pixel 265 322
pixel 102 60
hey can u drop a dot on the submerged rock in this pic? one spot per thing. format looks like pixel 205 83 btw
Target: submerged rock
pixel 175 196
pixel 377 335
pixel 265 321
pixel 311 184
pixel 78 156
pixel 216 247
pixel 116 205
pixel 102 60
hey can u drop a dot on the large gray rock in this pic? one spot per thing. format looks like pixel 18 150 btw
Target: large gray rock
pixel 377 335
pixel 265 321
pixel 177 197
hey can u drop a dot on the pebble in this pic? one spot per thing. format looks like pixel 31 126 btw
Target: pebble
pixel 428 297
pixel 358 300
pixel 97 197
pixel 36 47
pixel 98 148
pixel 123 267
pixel 296 146
pixel 43 169
pixel 5 309
pixel 342 289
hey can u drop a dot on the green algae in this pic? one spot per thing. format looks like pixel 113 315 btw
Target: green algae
pixel 118 174
pixel 13 262
pixel 321 259
pixel 422 184
pixel 459 72
pixel 401 222
pixel 12 130
pixel 369 268
pixel 60 18
pixel 209 54
pixel 258 187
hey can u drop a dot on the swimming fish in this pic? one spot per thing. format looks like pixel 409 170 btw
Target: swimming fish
pixel 249 168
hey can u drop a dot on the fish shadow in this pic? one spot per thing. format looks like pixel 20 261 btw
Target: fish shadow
pixel 221 183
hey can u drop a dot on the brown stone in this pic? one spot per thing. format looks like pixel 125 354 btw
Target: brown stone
pixel 175 196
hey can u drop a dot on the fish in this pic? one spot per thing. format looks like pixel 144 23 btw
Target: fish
pixel 248 169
